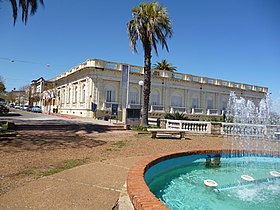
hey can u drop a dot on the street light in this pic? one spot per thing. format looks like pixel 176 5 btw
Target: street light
pixel 141 83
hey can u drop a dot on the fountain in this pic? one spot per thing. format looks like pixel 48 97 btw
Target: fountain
pixel 243 175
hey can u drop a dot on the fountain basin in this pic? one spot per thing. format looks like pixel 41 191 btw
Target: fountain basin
pixel 140 194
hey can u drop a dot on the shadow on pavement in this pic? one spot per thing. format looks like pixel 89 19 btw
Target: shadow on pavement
pixel 10 115
pixel 31 142
pixel 51 135
pixel 71 127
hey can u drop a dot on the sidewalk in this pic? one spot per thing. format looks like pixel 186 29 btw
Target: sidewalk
pixel 93 186
pixel 84 119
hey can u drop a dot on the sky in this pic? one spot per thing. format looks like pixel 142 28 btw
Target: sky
pixel 236 40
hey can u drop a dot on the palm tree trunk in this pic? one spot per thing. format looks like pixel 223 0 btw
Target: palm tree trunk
pixel 147 84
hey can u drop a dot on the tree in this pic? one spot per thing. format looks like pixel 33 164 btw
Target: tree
pixel 151 25
pixel 11 97
pixel 25 6
pixel 164 65
pixel 2 85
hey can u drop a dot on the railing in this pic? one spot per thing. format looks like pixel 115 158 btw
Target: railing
pixel 178 109
pixel 243 129
pixel 156 108
pixel 134 106
pixel 154 121
pixel 198 127
pixel 212 112
pixel 161 73
pixel 197 111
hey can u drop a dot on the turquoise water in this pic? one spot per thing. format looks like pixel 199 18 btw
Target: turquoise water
pixel 179 183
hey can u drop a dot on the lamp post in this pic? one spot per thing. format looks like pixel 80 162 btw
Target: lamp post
pixel 141 83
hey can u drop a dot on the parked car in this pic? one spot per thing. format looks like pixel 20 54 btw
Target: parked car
pixel 17 106
pixel 25 107
pixel 36 109
pixel 29 108
pixel 4 109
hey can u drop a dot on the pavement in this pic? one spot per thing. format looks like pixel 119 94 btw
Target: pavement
pixel 98 185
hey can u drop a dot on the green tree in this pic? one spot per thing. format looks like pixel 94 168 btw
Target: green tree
pixel 25 6
pixel 2 85
pixel 164 65
pixel 151 25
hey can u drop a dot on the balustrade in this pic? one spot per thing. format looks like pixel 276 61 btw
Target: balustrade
pixel 191 126
pixel 243 129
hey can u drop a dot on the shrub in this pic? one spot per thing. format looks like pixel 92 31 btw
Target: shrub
pixel 175 116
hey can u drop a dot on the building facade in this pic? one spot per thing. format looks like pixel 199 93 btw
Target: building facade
pixel 42 93
pixel 98 83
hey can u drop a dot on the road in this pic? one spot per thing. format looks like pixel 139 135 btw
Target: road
pixel 19 116
pixel 38 121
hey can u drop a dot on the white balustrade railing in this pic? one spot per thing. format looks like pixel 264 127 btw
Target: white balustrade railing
pixel 191 126
pixel 212 112
pixel 197 110
pixel 156 108
pixel 243 129
pixel 178 109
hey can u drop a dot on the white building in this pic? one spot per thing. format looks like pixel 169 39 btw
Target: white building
pixel 100 82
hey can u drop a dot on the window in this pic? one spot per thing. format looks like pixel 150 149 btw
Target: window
pixel 83 94
pixel 63 95
pixel 195 102
pixel 155 98
pixel 176 101
pixel 76 95
pixel 69 96
pixel 210 103
pixel 110 96
pixel 133 97
pixel 224 105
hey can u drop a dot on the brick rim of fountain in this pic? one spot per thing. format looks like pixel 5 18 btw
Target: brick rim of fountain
pixel 139 193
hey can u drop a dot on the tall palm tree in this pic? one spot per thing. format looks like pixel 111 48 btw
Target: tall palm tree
pixel 25 6
pixel 151 25
pixel 164 65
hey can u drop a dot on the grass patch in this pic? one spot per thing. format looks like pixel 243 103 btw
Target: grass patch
pixel 119 144
pixel 6 131
pixel 67 164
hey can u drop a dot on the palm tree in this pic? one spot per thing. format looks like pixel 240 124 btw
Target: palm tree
pixel 24 5
pixel 151 25
pixel 164 65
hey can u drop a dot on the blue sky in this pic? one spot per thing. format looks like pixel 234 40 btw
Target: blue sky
pixel 236 40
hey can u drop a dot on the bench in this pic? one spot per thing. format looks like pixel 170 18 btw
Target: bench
pixel 155 131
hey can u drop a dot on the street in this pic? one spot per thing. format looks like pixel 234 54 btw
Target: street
pixel 38 121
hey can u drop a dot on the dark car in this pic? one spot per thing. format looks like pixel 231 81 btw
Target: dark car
pixel 3 109
pixel 29 108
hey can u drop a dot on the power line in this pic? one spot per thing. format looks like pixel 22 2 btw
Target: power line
pixel 23 61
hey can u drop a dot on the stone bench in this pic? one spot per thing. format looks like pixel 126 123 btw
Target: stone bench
pixel 155 131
